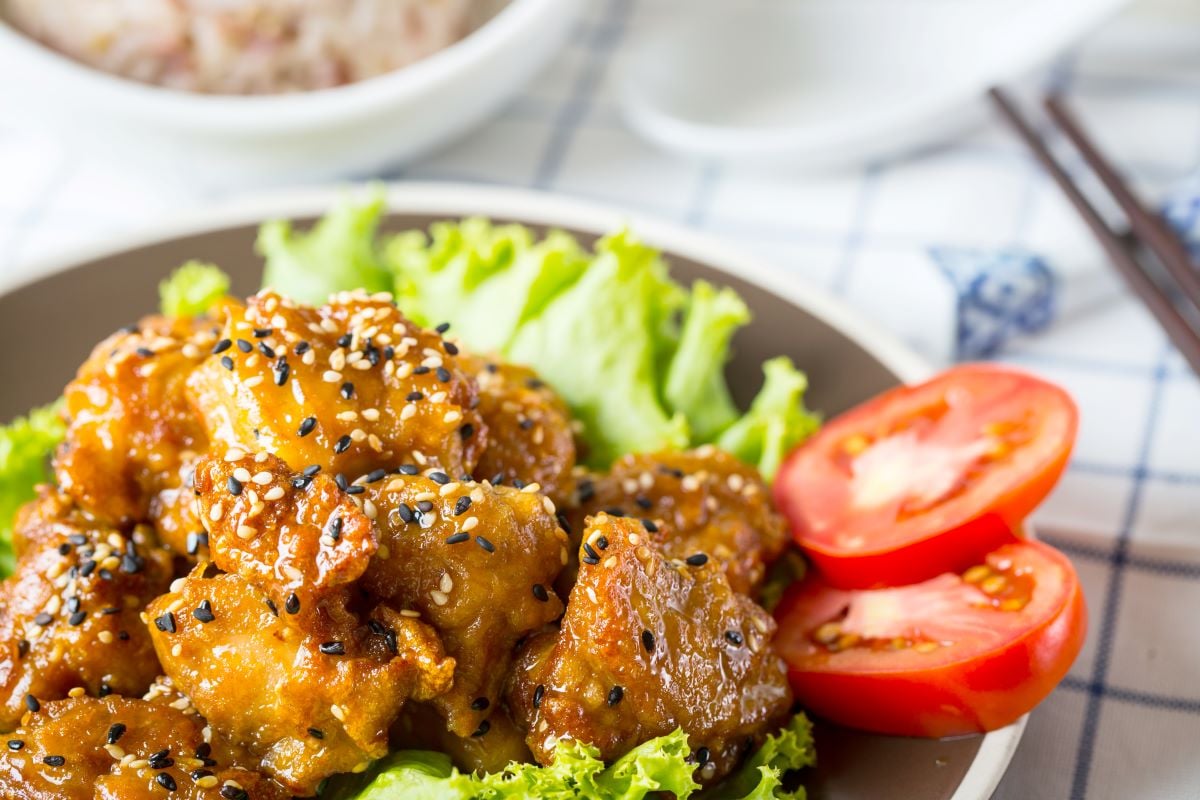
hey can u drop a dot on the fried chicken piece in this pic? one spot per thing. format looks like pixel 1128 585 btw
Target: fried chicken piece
pixel 649 644
pixel 173 515
pixel 75 750
pixel 297 537
pixel 530 438
pixel 478 562
pixel 707 502
pixel 350 386
pixel 131 428
pixel 490 749
pixel 310 696
pixel 69 614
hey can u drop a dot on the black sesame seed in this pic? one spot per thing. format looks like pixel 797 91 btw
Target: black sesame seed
pixel 525 424
pixel 77 618
pixel 413 397
pixel 32 703
pixel 450 347
pixel 235 486
pixel 482 730
pixel 307 426
pixel 204 612
pixel 344 340
pixel 461 506
pixel 480 703
pixel 497 479
pixel 466 431
pixel 199 774
pixel 22 648
pixel 355 489
pixel 291 603
pixel 648 640
pixel 110 610
pixel 443 374
pixel 697 560
pixel 262 333
pixel 539 591
pixel 130 564
pixel 282 371
pixel 300 482
pixel 77 539
pixel 590 559
pixel 203 750
pixel 587 490
pixel 372 354
pixel 389 353
pixel 311 469
pixel 538 693
pixel 88 568
pixel 644 503
pixel 406 513
pixel 702 756
pixel 422 370
pixel 234 793
pixel 244 346
pixel 341 481
pixel 376 475
pixel 591 553
pixel 165 623
pixel 64 549
pixel 302 348
pixel 221 347
pixel 316 733
pixel 266 350
pixel 649 526
pixel 105 575
pixel 442 327
pixel 43 619
pixel 54 761
pixel 734 638
pixel 615 511
pixel 145 352
pixel 227 363
pixel 615 695
pixel 439 478
pixel 271 605
pixel 408 469
pixel 563 522
pixel 115 732
pixel 518 483
pixel 457 538
pixel 674 473
pixel 15 744
pixel 73 604
pixel 535 383
pixel 333 648
pixel 165 781
pixel 485 544
pixel 342 445
pixel 425 506
pixel 347 390
pixel 335 528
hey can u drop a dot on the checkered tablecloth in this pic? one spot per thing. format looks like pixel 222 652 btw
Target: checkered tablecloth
pixel 963 250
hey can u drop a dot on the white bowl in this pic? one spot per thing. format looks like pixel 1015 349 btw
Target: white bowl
pixel 220 141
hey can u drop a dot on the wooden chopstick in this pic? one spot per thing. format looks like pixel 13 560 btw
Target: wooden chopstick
pixel 1149 228
pixel 1122 254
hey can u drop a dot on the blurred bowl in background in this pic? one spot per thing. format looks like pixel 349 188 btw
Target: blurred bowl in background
pixel 231 141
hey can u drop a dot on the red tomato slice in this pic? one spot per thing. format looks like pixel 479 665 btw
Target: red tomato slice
pixel 926 479
pixel 953 655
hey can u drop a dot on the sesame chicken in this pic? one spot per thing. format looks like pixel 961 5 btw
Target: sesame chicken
pixel 466 557
pixel 650 643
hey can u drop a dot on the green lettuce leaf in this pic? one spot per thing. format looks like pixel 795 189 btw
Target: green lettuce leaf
pixel 338 254
pixel 763 775
pixel 408 774
pixel 26 444
pixel 695 381
pixel 600 342
pixel 192 289
pixel 486 279
pixel 776 422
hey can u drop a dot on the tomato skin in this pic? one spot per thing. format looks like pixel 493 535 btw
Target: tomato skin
pixel 979 692
pixel 814 494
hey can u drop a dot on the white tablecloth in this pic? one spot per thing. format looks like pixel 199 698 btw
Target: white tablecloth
pixel 964 250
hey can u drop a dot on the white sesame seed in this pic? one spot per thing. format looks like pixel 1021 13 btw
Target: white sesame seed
pixel 408 412
pixel 216 512
pixel 548 504
pixel 309 358
pixel 370 414
pixel 292 573
pixel 263 478
pixel 246 532
pixel 408 612
pixel 634 539
pixel 439 597
pixel 274 493
pixel 610 562
pixel 337 359
pixel 357 435
pixel 348 416
pixel 260 458
pixel 449 488
pixel 531 488
pixel 242 475
pixel 115 751
pixel 370 510
pixel 105 637
pixel 591 593
pixel 234 454
pixel 446 583
pixel 437 398
pixel 331 376
pixel 177 650
pixel 453 415
pixel 469 524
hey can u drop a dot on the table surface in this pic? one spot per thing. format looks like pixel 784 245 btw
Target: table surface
pixel 1127 719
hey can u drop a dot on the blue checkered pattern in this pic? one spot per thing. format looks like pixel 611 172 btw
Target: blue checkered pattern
pixel 964 250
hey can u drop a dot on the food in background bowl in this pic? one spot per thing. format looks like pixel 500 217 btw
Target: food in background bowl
pixel 255 47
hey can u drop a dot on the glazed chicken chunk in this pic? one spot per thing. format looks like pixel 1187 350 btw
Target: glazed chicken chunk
pixel 118 748
pixel 69 614
pixel 311 695
pixel 530 439
pixel 350 386
pixel 649 644
pixel 478 563
pixel 131 431
pixel 706 501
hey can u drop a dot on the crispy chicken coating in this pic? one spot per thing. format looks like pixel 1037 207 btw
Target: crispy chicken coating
pixel 478 562
pixel 529 429
pixel 706 500
pixel 350 386
pixel 130 426
pixel 649 644
pixel 79 749
pixel 69 614
pixel 298 537
pixel 310 700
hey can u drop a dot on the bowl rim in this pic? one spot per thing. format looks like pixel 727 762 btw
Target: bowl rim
pixel 535 207
pixel 319 108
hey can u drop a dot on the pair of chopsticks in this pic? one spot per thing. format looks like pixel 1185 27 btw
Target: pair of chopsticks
pixel 1171 292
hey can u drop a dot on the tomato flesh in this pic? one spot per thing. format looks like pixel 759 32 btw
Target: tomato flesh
pixel 926 479
pixel 952 655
